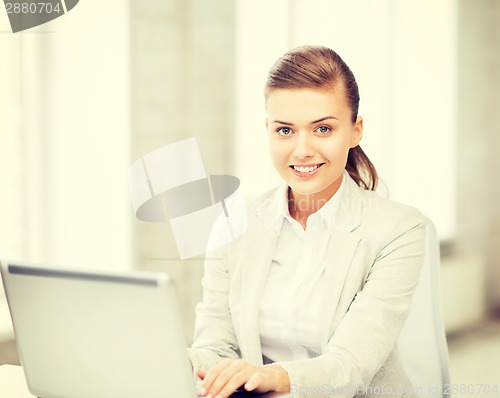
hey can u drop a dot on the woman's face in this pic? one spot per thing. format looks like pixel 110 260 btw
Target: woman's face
pixel 310 134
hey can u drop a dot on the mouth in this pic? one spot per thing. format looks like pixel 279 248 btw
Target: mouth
pixel 305 170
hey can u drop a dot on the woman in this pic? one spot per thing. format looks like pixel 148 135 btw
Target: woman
pixel 313 296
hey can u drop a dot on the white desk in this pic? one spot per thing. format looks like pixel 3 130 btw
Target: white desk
pixel 13 383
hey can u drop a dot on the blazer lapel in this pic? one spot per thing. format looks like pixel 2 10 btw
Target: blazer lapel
pixel 342 248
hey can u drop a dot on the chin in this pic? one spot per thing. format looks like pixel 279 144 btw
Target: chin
pixel 307 190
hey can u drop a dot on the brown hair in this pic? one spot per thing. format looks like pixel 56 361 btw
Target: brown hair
pixel 321 67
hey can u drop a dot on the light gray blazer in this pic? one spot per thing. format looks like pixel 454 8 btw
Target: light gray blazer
pixel 377 252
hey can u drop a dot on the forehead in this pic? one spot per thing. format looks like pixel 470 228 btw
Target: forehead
pixel 306 103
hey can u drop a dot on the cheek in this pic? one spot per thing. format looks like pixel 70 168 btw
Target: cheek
pixel 334 149
pixel 336 155
pixel 278 151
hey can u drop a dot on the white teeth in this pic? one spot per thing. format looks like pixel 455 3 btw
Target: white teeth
pixel 305 169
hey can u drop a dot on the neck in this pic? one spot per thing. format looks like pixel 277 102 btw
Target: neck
pixel 301 206
pixel 304 205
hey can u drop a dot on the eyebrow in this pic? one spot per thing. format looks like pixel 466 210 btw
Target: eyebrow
pixel 315 121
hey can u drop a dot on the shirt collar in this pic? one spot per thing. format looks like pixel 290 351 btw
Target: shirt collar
pixel 327 211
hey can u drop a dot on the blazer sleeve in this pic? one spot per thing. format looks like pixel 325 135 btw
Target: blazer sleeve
pixel 214 335
pixel 367 334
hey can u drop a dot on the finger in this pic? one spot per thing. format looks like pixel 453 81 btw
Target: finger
pixel 254 382
pixel 261 381
pixel 234 382
pixel 212 374
pixel 226 372
pixel 201 373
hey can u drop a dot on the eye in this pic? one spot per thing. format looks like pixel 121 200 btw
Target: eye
pixel 284 131
pixel 323 129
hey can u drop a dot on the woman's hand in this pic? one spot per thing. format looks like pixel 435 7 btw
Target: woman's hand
pixel 230 374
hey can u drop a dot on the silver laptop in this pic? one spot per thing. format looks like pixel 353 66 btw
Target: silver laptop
pixel 99 334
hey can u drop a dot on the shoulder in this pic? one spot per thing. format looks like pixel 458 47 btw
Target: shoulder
pixel 378 208
pixel 381 216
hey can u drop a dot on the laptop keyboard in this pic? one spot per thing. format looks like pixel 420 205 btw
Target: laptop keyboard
pixel 236 394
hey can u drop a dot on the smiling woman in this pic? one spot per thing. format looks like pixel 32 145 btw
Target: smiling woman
pixel 321 69
pixel 315 293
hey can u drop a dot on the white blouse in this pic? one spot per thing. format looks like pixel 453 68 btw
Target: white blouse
pixel 289 316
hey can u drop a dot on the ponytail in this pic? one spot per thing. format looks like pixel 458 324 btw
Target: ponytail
pixel 361 169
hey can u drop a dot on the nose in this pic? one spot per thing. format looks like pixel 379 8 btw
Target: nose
pixel 304 147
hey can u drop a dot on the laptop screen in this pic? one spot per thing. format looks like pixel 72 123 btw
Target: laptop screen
pixel 98 333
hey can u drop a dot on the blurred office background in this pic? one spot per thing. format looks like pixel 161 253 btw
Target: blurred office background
pixel 85 95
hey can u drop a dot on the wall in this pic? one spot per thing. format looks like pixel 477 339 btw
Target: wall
pixel 182 73
pixel 65 140
pixel 478 129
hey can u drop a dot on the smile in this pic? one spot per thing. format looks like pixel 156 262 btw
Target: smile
pixel 305 170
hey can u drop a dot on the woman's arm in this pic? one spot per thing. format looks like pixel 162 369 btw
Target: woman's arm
pixel 214 336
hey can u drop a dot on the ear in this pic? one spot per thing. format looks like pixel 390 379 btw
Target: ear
pixel 357 132
pixel 267 123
